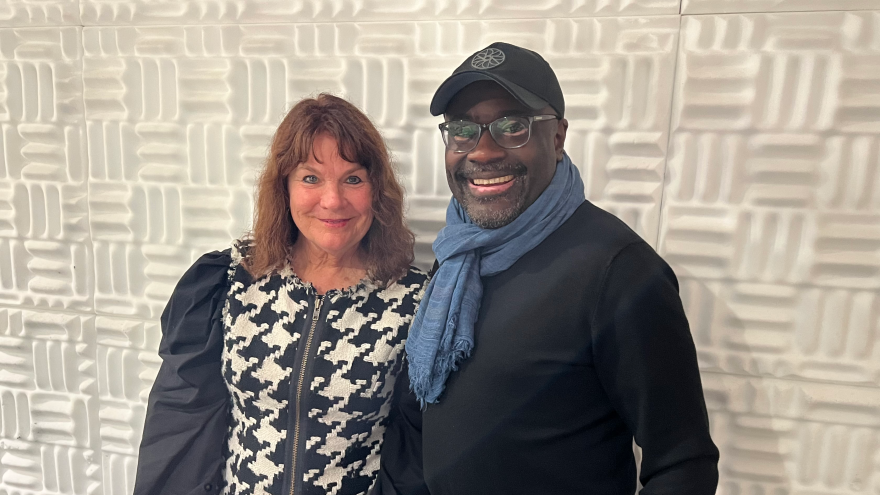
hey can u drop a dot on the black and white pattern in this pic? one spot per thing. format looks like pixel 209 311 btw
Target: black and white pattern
pixel 354 356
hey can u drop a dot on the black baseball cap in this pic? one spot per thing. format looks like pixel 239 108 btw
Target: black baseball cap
pixel 523 73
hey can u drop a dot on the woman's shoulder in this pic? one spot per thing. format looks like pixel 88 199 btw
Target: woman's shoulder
pixel 239 250
pixel 407 290
pixel 413 282
pixel 414 275
pixel 212 270
pixel 214 260
pixel 187 317
pixel 208 274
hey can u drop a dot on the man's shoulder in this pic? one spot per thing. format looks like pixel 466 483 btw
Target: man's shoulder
pixel 584 245
pixel 597 229
pixel 596 238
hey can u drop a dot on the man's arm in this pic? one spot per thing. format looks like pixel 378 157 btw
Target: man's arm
pixel 646 360
pixel 400 471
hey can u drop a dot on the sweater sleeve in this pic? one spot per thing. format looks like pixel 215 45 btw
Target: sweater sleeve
pixel 181 451
pixel 647 363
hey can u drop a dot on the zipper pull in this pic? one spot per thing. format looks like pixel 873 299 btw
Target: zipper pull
pixel 317 312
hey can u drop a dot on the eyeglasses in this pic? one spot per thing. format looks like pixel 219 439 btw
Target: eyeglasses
pixel 462 136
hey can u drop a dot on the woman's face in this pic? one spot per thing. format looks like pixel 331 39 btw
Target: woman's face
pixel 331 201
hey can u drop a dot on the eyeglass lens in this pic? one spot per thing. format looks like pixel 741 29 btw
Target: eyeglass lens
pixel 508 132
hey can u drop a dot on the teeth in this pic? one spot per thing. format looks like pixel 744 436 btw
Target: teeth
pixel 489 182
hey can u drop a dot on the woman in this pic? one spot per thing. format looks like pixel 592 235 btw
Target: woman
pixel 280 354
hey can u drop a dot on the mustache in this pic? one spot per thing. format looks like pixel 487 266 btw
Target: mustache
pixel 468 169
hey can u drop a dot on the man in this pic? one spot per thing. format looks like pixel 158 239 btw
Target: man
pixel 551 335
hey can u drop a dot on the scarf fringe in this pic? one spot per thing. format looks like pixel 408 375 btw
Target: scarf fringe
pixel 420 379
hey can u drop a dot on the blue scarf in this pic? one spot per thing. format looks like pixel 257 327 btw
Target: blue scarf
pixel 442 333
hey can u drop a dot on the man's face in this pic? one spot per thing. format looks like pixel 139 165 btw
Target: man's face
pixel 493 184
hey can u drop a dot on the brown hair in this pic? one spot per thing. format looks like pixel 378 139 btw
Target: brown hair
pixel 388 244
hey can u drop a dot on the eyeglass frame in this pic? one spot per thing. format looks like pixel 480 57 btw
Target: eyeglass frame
pixel 482 127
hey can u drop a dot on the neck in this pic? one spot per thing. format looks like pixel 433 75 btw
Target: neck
pixel 326 271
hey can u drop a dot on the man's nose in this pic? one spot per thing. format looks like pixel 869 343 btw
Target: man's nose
pixel 487 150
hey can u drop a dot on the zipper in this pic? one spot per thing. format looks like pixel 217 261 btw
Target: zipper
pixel 302 374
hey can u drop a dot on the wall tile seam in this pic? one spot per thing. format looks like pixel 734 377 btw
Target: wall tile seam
pixel 680 13
pixel 774 12
pixel 85 151
pixel 347 21
pixel 351 22
pixel 669 134
pixel 791 379
pixel 74 312
pixel 50 444
pixel 74 448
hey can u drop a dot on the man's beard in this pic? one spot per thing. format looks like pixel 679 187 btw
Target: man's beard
pixel 492 218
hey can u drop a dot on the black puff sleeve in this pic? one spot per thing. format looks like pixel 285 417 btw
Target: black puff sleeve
pixel 181 451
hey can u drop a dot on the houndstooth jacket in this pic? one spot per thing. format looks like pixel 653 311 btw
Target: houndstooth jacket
pixel 310 379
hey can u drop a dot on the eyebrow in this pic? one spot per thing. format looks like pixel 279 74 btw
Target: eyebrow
pixel 308 168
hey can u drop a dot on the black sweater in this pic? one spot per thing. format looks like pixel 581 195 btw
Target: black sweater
pixel 581 346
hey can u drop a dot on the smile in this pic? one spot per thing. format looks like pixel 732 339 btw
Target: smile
pixel 493 186
pixel 493 181
pixel 334 222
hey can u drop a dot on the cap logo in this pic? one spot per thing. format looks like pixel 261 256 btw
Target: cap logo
pixel 488 59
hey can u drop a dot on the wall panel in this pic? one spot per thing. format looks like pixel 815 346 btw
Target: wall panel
pixel 770 220
pixel 39 13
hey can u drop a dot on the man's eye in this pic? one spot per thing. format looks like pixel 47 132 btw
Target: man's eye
pixel 512 127
pixel 462 131
pixel 310 179
pixel 353 179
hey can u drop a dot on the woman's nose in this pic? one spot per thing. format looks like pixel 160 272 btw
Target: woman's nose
pixel 331 197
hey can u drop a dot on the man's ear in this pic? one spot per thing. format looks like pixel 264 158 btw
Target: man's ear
pixel 559 138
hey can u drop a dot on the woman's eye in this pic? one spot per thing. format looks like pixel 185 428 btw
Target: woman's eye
pixel 353 179
pixel 310 179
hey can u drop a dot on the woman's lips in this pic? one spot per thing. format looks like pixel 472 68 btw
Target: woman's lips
pixel 334 222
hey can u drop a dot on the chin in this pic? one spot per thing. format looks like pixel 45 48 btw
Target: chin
pixel 492 213
pixel 493 219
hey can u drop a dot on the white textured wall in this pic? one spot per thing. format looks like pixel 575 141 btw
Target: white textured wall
pixel 739 137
